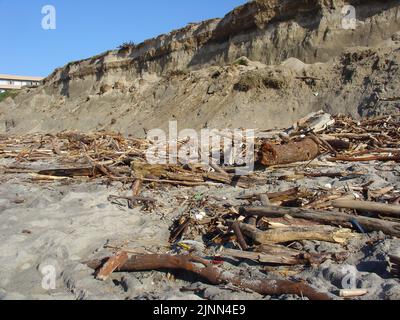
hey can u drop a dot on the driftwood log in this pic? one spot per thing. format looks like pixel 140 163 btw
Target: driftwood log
pixel 325 217
pixel 297 233
pixel 214 275
pixel 381 208
pixel 277 255
pixel 304 150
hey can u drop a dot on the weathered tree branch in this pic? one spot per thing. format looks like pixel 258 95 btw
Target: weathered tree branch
pixel 215 275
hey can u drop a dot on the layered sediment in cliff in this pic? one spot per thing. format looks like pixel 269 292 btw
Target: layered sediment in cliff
pixel 299 58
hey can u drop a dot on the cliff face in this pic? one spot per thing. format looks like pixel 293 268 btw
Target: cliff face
pixel 269 31
pixel 192 74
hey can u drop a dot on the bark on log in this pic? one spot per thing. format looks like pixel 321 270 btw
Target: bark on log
pixel 325 217
pixel 304 150
pixel 381 208
pixel 215 275
pixel 289 234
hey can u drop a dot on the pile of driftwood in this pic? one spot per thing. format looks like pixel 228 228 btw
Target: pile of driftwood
pixel 261 230
pixel 317 136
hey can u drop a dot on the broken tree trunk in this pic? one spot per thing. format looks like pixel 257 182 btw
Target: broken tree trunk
pixel 214 275
pixel 290 234
pixel 303 150
pixel 381 208
pixel 325 217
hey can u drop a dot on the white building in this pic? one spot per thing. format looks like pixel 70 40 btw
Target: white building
pixel 9 82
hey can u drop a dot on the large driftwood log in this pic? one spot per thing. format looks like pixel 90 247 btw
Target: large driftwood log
pixel 274 196
pixel 381 208
pixel 325 217
pixel 303 150
pixel 214 275
pixel 297 233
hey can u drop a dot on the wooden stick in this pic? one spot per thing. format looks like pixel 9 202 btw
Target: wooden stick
pixel 351 293
pixel 381 208
pixel 325 217
pixel 262 257
pixel 136 186
pixel 304 150
pixel 322 143
pixel 176 183
pixel 217 168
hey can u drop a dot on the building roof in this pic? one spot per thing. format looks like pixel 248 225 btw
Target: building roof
pixel 19 78
pixel 10 87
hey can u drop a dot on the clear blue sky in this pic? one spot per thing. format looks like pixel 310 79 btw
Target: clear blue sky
pixel 89 27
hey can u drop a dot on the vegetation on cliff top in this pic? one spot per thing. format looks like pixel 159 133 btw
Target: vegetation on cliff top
pixel 8 94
